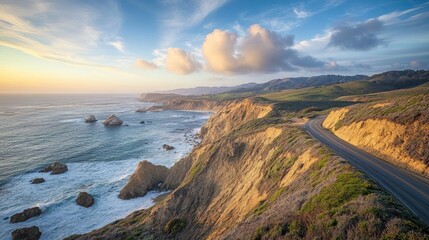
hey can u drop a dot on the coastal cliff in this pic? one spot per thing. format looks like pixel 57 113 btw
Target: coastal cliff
pixel 396 130
pixel 258 176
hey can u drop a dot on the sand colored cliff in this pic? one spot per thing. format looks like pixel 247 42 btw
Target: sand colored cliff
pixel 397 131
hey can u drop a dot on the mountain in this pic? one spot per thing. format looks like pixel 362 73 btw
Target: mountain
pixel 386 81
pixel 300 82
pixel 273 85
pixel 208 90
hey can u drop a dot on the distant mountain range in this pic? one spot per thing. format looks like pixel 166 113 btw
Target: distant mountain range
pixel 273 85
pixel 208 90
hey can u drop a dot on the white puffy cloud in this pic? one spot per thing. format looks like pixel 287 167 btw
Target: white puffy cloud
pixel 260 50
pixel 181 62
pixel 146 65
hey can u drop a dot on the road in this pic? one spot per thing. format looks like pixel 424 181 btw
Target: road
pixel 409 188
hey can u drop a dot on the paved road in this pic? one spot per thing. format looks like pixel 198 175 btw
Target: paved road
pixel 409 188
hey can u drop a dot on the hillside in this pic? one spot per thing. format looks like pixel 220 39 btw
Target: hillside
pixel 257 175
pixel 393 129
pixel 386 81
pixel 299 82
pixel 208 90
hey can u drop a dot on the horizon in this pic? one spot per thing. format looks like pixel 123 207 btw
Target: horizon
pixel 50 47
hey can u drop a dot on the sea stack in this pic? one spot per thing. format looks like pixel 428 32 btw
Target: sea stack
pixel 30 233
pixel 167 147
pixel 90 119
pixel 37 180
pixel 112 120
pixel 85 199
pixel 56 168
pixel 146 177
pixel 25 215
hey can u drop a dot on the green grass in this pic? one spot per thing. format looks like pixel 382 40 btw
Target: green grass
pixel 174 226
pixel 335 91
pixel 347 187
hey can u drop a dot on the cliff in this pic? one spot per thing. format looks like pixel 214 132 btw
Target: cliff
pixel 396 130
pixel 257 176
pixel 189 104
pixel 146 177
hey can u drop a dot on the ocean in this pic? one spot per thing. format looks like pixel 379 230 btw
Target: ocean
pixel 36 130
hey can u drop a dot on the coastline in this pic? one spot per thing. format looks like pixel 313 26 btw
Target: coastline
pixel 235 184
pixel 89 175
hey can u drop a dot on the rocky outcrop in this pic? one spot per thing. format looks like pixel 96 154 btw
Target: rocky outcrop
pixel 167 147
pixel 30 233
pixel 90 119
pixel 25 215
pixel 56 168
pixel 85 199
pixel 146 177
pixel 37 180
pixel 112 120
pixel 396 130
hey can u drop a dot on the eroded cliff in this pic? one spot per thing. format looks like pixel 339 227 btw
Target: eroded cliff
pixel 396 130
pixel 256 176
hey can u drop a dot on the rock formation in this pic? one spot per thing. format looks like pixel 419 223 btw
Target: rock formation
pixel 25 215
pixel 112 120
pixel 37 180
pixel 167 147
pixel 90 119
pixel 30 233
pixel 85 199
pixel 146 177
pixel 141 110
pixel 56 168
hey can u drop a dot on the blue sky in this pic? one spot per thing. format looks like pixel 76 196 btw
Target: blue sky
pixel 135 46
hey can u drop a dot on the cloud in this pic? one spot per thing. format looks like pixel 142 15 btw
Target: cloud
pixel 66 31
pixel 146 65
pixel 181 15
pixel 361 36
pixel 119 45
pixel 181 62
pixel 332 65
pixel 300 13
pixel 260 50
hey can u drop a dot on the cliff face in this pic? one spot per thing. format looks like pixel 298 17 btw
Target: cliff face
pixel 189 104
pixel 396 130
pixel 259 177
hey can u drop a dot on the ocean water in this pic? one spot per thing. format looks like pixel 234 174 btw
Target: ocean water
pixel 37 130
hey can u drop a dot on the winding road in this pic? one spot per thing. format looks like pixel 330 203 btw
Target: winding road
pixel 409 188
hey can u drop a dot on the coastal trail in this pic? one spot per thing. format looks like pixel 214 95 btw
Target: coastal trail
pixel 408 187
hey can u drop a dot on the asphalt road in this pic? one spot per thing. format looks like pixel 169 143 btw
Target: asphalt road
pixel 409 188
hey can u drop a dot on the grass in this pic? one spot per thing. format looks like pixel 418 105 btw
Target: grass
pixel 174 226
pixel 373 85
pixel 347 187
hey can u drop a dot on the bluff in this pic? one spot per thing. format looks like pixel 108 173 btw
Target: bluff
pixel 258 176
pixel 396 130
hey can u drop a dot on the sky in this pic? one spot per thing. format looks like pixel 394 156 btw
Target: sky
pixel 133 46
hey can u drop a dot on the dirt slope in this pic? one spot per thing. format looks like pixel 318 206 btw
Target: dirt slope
pixel 396 130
